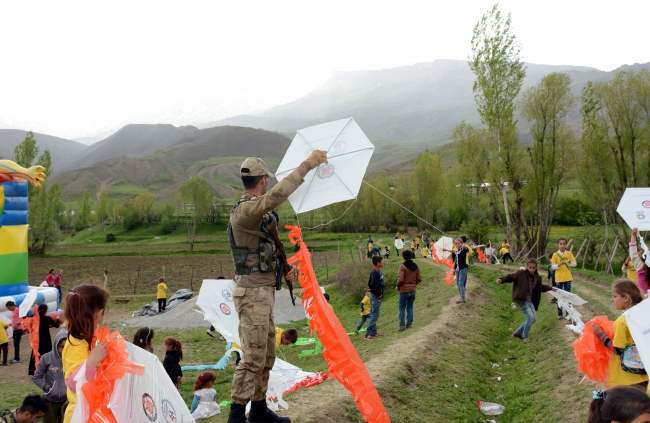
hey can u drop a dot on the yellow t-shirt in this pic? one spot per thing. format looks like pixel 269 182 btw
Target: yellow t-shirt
pixel 412 245
pixel 75 352
pixel 162 290
pixel 366 306
pixel 424 252
pixel 622 339
pixel 417 240
pixel 370 246
pixel 278 336
pixel 3 333
pixel 631 272
pixel 505 248
pixel 563 273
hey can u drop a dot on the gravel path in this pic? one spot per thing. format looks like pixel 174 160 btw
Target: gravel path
pixel 184 315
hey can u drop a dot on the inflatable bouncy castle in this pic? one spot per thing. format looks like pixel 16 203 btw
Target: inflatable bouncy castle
pixel 13 238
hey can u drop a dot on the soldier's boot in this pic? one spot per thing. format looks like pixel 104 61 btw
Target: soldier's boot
pixel 237 413
pixel 260 413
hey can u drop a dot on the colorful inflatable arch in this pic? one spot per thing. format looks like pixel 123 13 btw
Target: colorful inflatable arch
pixel 13 237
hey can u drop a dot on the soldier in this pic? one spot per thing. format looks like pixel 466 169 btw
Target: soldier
pixel 251 231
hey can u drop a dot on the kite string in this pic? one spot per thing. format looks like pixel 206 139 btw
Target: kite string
pixel 430 224
pixel 331 221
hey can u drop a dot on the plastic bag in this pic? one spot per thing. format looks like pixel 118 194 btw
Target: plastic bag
pixel 592 356
pixel 490 408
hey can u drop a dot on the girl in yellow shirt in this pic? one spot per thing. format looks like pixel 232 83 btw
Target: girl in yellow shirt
pixel 625 295
pixel 84 313
pixel 162 295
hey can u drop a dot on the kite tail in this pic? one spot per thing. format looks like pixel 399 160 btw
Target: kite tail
pixel 481 256
pixel 316 351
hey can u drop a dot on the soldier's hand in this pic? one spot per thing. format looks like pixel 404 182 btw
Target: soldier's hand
pixel 291 275
pixel 316 158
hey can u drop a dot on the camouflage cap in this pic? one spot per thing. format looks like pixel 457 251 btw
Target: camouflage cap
pixel 254 166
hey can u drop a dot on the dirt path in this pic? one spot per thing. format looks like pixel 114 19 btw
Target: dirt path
pixel 322 399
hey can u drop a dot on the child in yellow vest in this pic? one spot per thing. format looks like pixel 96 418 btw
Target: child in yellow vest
pixel 365 310
pixel 629 270
pixel 561 262
pixel 162 295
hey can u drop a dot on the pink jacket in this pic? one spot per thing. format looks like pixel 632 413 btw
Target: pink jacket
pixel 640 267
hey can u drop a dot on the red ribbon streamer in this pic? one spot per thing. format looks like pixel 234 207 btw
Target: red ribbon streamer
pixel 98 391
pixel 450 277
pixel 481 256
pixel 343 361
pixel 32 324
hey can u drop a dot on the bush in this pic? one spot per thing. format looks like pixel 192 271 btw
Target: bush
pixel 166 226
pixel 573 211
pixel 132 220
pixel 478 230
pixel 352 278
pixel 110 238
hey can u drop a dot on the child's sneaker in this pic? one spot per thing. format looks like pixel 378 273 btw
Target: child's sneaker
pixel 356 331
pixel 209 332
pixel 402 328
pixel 408 326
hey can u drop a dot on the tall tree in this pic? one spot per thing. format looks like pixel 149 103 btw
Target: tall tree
pixel 500 74
pixel 471 146
pixel 547 106
pixel 144 203
pixel 427 180
pixel 103 206
pixel 84 214
pixel 194 198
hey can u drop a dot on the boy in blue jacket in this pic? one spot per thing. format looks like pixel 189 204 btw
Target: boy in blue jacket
pixel 376 285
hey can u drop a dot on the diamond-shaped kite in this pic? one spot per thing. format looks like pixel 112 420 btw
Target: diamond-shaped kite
pixel 348 153
pixel 634 208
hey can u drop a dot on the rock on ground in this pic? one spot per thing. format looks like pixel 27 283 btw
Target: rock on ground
pixel 184 315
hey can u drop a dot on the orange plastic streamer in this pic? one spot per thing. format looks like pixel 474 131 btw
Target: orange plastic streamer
pixel 32 325
pixel 98 391
pixel 481 256
pixel 343 361
pixel 450 277
pixel 592 356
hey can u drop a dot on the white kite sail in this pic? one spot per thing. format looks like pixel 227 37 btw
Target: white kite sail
pixel 215 299
pixel 446 243
pixel 639 324
pixel 348 153
pixel 634 208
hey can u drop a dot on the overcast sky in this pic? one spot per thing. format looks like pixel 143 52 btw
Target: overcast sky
pixel 73 68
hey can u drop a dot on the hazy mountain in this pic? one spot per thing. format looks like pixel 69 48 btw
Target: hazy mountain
pixel 215 154
pixel 60 148
pixel 403 110
pixel 136 140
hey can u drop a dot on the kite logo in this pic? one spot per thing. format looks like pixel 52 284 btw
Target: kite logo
pixel 325 172
pixel 168 411
pixel 224 309
pixel 227 295
pixel 640 216
pixel 149 407
pixel 339 147
pixel 646 204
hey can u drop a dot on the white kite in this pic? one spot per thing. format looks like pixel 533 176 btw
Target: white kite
pixel 27 303
pixel 639 324
pixel 443 242
pixel 215 299
pixel 634 208
pixel 566 301
pixel 399 244
pixel 348 153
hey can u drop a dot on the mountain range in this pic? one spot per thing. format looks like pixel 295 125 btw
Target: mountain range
pixel 402 110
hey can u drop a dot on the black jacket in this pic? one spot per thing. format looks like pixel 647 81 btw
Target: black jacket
pixel 520 287
pixel 376 283
pixel 172 366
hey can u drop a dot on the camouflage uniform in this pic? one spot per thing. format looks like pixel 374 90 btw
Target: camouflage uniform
pixel 254 294
pixel 8 416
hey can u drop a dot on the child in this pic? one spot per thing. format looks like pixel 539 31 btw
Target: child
pixel 327 298
pixel 505 252
pixel 143 338
pixel 642 272
pixel 376 285
pixel 162 295
pixel 204 404
pixel 629 270
pixel 4 342
pixel 560 263
pixel 49 377
pixel 491 253
pixel 386 252
pixel 527 291
pixel 173 357
pixel 424 252
pixel 370 247
pixel 625 294
pixel 460 267
pixel 44 338
pixel 623 404
pixel 84 312
pixel 285 336
pixel 365 310
pixel 17 326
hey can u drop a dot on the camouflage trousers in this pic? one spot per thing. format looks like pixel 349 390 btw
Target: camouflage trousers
pixel 257 335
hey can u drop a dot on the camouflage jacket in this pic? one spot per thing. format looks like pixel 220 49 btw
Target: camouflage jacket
pixel 8 416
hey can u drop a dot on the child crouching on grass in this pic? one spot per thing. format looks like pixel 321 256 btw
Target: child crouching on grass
pixel 204 404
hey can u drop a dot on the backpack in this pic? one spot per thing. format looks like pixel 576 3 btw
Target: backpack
pixel 631 361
